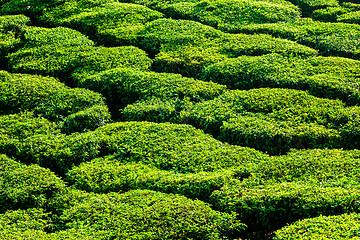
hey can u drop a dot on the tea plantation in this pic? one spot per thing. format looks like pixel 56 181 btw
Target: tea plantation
pixel 179 119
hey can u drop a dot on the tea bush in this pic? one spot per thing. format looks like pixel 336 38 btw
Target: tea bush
pixel 307 6
pixel 329 77
pixel 270 206
pixel 345 226
pixel 331 39
pixel 122 86
pixel 320 165
pixel 156 110
pixel 45 96
pixel 187 46
pixel 25 186
pixel 144 214
pixel 166 146
pixel 276 137
pixel 10 32
pixel 226 15
pixel 108 174
pixel 107 22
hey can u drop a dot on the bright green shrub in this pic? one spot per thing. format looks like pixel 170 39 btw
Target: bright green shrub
pixel 25 186
pixel 322 76
pixel 45 96
pixel 32 8
pixel 10 31
pixel 26 124
pixel 270 206
pixel 50 51
pixel 280 104
pixel 276 137
pixel 307 6
pixel 112 23
pixel 87 119
pixel 226 15
pixel 175 147
pixel 331 39
pixel 107 174
pixel 155 110
pixel 351 17
pixel 103 58
pixel 60 51
pixel 166 146
pixel 329 14
pixel 144 214
pixel 345 226
pixel 122 86
pixel 320 165
pixel 187 46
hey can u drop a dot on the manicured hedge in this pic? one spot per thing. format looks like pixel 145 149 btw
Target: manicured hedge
pixel 60 51
pixel 319 165
pixel 156 110
pixel 345 226
pixel 107 174
pixel 186 46
pixel 32 8
pixel 322 76
pixel 268 206
pixel 277 137
pixel 108 22
pixel 144 214
pixel 307 6
pixel 44 96
pixel 25 186
pixel 331 39
pixel 10 31
pixel 122 86
pixel 225 15
pixel 166 146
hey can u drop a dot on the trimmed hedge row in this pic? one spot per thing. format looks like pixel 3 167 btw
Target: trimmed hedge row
pixel 121 86
pixel 307 6
pixel 156 110
pixel 269 205
pixel 25 186
pixel 329 77
pixel 323 166
pixel 111 23
pixel 10 31
pixel 108 174
pixel 331 39
pixel 49 98
pixel 345 226
pixel 348 12
pixel 277 137
pixel 272 120
pixel 61 51
pixel 144 214
pixel 186 46
pixel 166 146
pixel 224 14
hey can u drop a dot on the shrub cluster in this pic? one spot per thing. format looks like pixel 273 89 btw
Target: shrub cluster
pixel 270 205
pixel 275 120
pixel 10 31
pixel 47 97
pixel 121 86
pixel 186 46
pixel 144 214
pixel 345 226
pixel 108 22
pixel 108 174
pixel 25 186
pixel 331 39
pixel 61 51
pixel 328 77
pixel 225 14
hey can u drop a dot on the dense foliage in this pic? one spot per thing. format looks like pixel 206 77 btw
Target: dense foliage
pixel 179 119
